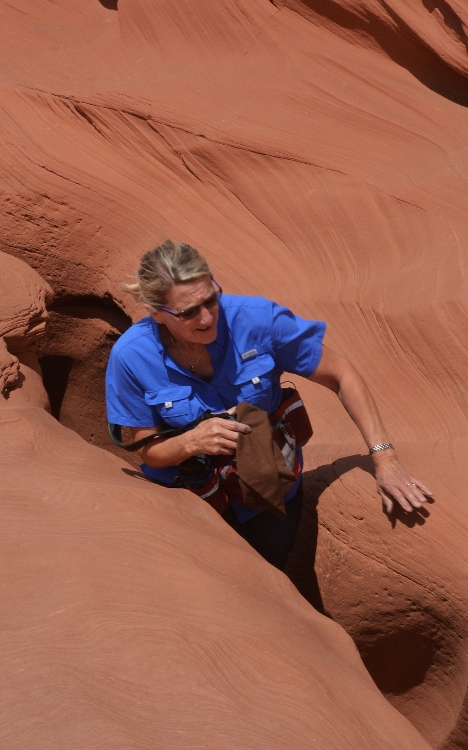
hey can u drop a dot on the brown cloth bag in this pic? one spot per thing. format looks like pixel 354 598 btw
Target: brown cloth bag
pixel 260 463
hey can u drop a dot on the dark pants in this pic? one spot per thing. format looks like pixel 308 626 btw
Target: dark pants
pixel 271 537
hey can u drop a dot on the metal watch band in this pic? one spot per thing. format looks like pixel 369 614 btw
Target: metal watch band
pixel 380 447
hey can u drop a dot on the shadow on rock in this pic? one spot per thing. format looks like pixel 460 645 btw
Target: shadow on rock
pixel 301 563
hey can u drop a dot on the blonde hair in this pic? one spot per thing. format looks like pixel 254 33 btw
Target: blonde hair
pixel 168 264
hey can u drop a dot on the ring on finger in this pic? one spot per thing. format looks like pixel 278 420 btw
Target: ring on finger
pixel 411 484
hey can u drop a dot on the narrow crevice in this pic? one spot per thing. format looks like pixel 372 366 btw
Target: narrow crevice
pixel 80 111
pixel 73 355
pixel 55 373
pixel 87 307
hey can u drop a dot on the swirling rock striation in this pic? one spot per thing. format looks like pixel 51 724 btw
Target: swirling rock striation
pixel 133 616
pixel 316 152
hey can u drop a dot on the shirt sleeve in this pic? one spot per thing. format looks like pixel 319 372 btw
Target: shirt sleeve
pixel 297 343
pixel 125 397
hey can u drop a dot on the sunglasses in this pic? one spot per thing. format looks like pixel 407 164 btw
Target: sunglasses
pixel 191 312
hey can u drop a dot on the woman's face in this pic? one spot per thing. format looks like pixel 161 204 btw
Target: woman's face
pixel 201 329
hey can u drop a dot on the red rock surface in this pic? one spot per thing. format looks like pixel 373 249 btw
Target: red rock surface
pixel 316 152
pixel 135 617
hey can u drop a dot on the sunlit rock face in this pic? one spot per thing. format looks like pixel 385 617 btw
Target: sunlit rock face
pixel 24 297
pixel 134 615
pixel 316 153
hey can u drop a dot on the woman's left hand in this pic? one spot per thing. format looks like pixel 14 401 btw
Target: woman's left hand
pixel 394 483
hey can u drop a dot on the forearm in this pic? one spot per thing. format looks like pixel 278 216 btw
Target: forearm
pixel 361 407
pixel 393 481
pixel 214 437
pixel 341 377
pixel 162 452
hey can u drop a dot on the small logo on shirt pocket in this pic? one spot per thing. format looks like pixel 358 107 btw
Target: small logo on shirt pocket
pixel 250 353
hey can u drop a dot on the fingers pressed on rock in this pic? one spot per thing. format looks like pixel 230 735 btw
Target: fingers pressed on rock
pixel 414 494
pixel 402 500
pixel 418 499
pixel 424 488
pixel 387 502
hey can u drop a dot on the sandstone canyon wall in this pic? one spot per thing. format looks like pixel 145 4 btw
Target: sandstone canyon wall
pixel 136 617
pixel 317 154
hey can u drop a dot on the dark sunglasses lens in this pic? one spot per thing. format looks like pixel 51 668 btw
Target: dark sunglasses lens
pixel 189 314
pixel 194 311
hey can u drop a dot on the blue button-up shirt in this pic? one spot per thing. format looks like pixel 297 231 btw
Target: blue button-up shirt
pixel 257 341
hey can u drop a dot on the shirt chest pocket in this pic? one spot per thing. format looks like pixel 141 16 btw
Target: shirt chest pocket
pixel 172 405
pixel 254 381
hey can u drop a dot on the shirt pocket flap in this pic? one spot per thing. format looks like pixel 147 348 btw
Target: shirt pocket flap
pixel 253 370
pixel 171 401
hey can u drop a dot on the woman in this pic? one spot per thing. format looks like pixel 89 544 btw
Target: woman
pixel 197 351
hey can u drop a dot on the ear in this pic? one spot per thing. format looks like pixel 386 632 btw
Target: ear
pixel 152 313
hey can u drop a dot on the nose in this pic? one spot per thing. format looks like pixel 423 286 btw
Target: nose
pixel 206 316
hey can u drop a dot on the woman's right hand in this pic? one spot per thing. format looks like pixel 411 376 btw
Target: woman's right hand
pixel 215 437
